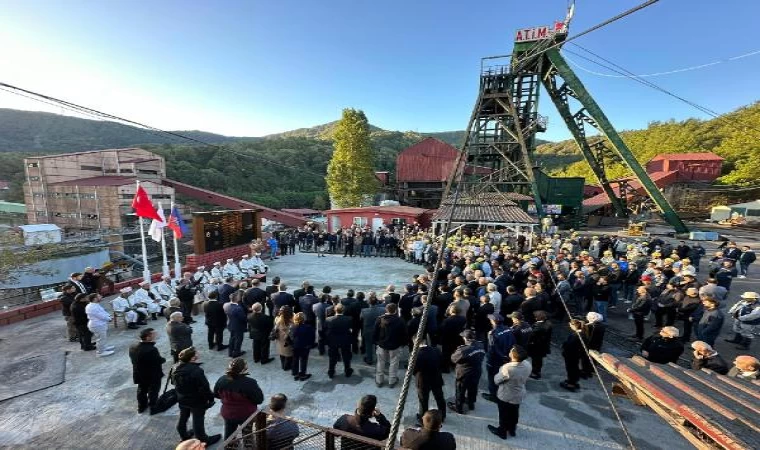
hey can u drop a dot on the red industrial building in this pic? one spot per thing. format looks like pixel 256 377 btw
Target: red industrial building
pixel 422 171
pixel 690 166
pixel 376 216
pixel 665 170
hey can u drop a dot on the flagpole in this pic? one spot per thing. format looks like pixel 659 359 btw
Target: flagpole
pixel 146 269
pixel 177 264
pixel 165 266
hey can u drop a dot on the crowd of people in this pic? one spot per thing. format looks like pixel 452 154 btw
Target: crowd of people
pixel 492 307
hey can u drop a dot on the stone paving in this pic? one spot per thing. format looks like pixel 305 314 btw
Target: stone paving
pixel 95 407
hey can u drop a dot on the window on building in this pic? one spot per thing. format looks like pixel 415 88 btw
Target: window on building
pixel 148 172
pixel 126 170
pixel 88 196
pixel 94 168
pixel 34 178
pixel 40 213
pixel 38 195
pixel 92 217
pixel 398 221
pixel 32 165
pixel 360 221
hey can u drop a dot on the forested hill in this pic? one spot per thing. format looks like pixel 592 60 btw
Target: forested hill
pixel 735 136
pixel 34 131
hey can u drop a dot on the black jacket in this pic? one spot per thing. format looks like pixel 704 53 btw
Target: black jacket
pixel 572 348
pixel 511 303
pixel 595 335
pixel 469 361
pixel 428 440
pixel 66 301
pixel 540 340
pixel 215 315
pixel 528 307
pixel 714 363
pixel 338 330
pixel 260 326
pixel 80 316
pixel 193 390
pixel 662 350
pixel 405 306
pixel 254 295
pixel 353 423
pixel 482 324
pixel 146 363
pixel 225 291
pixel 390 332
pixel 450 329
pixel 427 370
pixel 281 299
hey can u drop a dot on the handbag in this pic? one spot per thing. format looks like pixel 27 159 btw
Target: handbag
pixel 167 399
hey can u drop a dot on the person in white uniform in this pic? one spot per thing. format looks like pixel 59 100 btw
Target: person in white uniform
pixel 232 270
pixel 201 275
pixel 97 323
pixel 121 304
pixel 258 263
pixel 216 271
pixel 163 292
pixel 246 266
pixel 141 299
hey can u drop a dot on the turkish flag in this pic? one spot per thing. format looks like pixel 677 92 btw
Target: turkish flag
pixel 143 206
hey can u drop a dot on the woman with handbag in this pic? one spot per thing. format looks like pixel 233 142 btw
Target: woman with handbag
pixel 240 396
pixel 302 336
pixel 281 334
pixel 194 396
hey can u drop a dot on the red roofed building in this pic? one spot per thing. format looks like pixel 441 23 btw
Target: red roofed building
pixel 376 217
pixel 690 166
pixel 422 171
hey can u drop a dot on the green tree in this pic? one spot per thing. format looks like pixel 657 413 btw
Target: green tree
pixel 350 174
pixel 320 203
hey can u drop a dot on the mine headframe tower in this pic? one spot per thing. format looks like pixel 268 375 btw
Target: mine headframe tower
pixel 501 140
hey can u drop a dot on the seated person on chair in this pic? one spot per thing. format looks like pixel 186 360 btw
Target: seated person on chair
pixel 121 305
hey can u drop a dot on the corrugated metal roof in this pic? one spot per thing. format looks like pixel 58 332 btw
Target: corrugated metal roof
pixel 484 213
pixel 427 160
pixel 698 156
pixel 494 207
pixel 301 211
pixel 661 179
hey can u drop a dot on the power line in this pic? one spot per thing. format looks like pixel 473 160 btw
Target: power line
pixel 628 74
pixel 669 72
pixel 138 125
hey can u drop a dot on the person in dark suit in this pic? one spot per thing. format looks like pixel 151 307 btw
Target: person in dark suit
pixel 338 332
pixel 146 369
pixel 283 298
pixel 352 309
pixel 663 347
pixel 429 437
pixel 260 327
pixel 540 343
pixel 391 291
pixel 482 323
pixel 216 321
pixel 194 397
pixel 531 304
pixel 594 330
pixel 186 295
pixel 427 374
pixel 237 324
pixel 298 293
pixel 226 290
pixel 254 295
pixel 450 330
pixel 572 352
pixel 270 291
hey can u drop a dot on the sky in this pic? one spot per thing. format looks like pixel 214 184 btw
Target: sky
pixel 251 68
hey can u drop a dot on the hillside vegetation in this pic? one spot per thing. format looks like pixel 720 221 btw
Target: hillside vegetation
pixel 735 136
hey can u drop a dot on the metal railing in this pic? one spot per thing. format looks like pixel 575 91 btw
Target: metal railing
pixel 267 430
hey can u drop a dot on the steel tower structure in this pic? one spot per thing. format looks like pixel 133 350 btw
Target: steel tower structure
pixel 501 140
